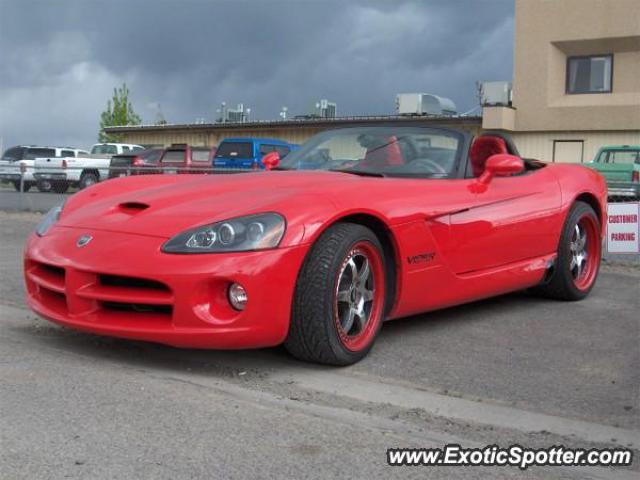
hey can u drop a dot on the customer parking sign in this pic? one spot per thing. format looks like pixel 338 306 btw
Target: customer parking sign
pixel 623 228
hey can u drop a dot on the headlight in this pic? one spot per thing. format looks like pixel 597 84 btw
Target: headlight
pixel 253 232
pixel 49 219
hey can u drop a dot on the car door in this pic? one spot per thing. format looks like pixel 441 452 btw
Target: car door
pixel 512 219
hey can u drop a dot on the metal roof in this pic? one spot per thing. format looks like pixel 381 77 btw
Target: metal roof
pixel 475 120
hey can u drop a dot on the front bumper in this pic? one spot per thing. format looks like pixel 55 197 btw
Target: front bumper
pixel 624 190
pixel 15 177
pixel 122 285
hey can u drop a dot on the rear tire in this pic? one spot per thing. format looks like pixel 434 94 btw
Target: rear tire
pixel 579 254
pixel 44 186
pixel 25 186
pixel 87 179
pixel 339 300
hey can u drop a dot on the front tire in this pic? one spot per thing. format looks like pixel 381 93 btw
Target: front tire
pixel 339 301
pixel 579 254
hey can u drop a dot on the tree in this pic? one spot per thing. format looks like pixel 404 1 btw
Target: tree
pixel 160 120
pixel 119 112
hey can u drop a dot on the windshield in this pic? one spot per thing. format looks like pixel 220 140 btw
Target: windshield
pixel 239 150
pixel 174 156
pixel 620 156
pixel 392 151
pixel 104 149
pixel 13 154
pixel 200 154
pixel 33 153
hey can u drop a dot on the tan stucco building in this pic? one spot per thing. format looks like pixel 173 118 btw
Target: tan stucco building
pixel 576 87
pixel 576 78
pixel 294 131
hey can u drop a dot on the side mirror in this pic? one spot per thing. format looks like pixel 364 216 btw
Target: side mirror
pixel 501 165
pixel 271 160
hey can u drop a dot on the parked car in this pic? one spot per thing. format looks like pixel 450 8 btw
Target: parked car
pixel 318 259
pixel 620 165
pixel 248 152
pixel 19 160
pixel 141 162
pixel 183 158
pixel 61 173
pixel 115 148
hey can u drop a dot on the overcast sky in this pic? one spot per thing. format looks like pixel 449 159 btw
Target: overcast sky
pixel 60 60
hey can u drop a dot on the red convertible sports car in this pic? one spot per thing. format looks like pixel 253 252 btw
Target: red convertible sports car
pixel 360 225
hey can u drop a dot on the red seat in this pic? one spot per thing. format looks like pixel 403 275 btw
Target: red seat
pixel 387 154
pixel 482 148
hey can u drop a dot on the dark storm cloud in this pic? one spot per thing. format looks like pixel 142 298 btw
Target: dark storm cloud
pixel 60 60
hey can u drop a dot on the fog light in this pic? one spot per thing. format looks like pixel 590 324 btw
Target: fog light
pixel 237 296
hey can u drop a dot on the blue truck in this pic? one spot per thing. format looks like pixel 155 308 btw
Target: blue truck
pixel 248 152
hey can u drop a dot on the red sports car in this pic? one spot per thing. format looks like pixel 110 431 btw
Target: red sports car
pixel 358 226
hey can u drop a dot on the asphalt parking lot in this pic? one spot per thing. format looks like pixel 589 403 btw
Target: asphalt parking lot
pixel 32 201
pixel 515 369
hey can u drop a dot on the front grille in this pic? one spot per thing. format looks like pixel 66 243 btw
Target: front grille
pixel 48 283
pixel 138 308
pixel 75 292
pixel 131 282
pixel 53 270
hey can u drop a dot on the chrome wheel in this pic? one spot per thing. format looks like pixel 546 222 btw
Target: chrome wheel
pixel 579 252
pixel 340 297
pixel 578 256
pixel 355 293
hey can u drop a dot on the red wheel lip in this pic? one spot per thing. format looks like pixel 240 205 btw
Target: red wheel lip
pixel 586 280
pixel 361 340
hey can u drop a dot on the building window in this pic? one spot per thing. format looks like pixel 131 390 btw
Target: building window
pixel 590 74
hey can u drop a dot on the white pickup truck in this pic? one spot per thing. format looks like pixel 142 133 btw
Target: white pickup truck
pixel 82 171
pixel 18 162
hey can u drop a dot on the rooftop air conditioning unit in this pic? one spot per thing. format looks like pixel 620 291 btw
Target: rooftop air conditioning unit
pixel 424 104
pixel 495 94
pixel 326 109
pixel 239 115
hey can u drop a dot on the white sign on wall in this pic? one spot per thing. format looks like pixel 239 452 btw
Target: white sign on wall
pixel 623 228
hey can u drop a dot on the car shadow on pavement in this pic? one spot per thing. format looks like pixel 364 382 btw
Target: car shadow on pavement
pixel 227 363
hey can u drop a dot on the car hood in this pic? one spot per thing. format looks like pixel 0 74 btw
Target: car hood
pixel 164 205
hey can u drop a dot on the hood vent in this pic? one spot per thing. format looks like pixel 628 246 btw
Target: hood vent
pixel 133 207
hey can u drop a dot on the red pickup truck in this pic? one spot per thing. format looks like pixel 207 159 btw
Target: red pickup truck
pixel 183 158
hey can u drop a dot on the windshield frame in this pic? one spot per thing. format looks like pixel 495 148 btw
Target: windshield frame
pixel 457 171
